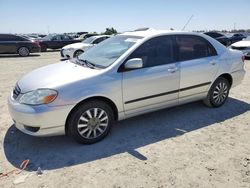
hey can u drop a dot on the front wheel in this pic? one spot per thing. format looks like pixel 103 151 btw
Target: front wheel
pixel 218 93
pixel 77 53
pixel 90 122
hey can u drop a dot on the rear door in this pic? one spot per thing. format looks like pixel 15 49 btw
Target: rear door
pixel 9 43
pixel 156 84
pixel 2 43
pixel 198 64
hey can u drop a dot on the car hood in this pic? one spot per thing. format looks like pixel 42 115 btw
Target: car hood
pixel 55 75
pixel 242 44
pixel 77 45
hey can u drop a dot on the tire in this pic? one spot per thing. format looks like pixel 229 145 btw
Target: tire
pixel 24 51
pixel 218 93
pixel 90 122
pixel 77 53
pixel 43 48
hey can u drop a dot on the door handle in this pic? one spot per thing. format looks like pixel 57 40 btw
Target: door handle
pixel 213 63
pixel 172 70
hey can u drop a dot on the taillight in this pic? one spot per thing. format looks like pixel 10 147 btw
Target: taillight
pixel 243 58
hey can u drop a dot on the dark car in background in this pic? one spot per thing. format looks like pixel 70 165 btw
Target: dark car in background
pixel 237 37
pixel 219 37
pixel 55 41
pixel 16 44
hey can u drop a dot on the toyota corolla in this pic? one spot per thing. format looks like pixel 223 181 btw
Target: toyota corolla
pixel 130 74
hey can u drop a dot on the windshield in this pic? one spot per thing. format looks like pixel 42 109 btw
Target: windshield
pixel 107 52
pixel 88 40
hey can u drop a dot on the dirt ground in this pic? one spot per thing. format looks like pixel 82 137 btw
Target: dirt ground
pixel 186 146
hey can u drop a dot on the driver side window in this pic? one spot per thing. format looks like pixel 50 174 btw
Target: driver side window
pixel 155 52
pixel 58 38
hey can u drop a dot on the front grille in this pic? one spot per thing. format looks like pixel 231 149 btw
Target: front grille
pixel 16 91
pixel 239 48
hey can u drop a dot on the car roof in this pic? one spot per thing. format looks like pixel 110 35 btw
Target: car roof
pixel 150 33
pixel 154 32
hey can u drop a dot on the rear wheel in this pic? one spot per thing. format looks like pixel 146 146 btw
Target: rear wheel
pixel 23 51
pixel 90 122
pixel 77 53
pixel 218 93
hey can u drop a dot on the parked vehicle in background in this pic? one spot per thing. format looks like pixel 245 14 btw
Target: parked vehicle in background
pixel 219 37
pixel 74 50
pixel 127 75
pixel 55 41
pixel 237 37
pixel 35 36
pixel 86 35
pixel 15 44
pixel 243 46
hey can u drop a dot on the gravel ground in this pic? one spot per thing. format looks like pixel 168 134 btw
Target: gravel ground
pixel 186 146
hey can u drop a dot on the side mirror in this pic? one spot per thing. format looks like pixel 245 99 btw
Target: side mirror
pixel 134 63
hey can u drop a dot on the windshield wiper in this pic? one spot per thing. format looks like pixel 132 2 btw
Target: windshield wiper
pixel 86 63
pixel 90 64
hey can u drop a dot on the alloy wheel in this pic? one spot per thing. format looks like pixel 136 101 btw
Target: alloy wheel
pixel 92 123
pixel 220 93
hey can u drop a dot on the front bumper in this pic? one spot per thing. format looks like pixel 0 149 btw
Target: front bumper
pixel 66 54
pixel 35 49
pixel 246 53
pixel 41 120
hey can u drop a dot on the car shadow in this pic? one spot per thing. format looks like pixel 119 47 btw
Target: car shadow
pixel 52 50
pixel 17 56
pixel 126 136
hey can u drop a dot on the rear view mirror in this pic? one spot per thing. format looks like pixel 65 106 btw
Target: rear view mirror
pixel 134 63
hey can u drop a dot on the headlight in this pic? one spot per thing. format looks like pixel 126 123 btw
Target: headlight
pixel 69 49
pixel 39 96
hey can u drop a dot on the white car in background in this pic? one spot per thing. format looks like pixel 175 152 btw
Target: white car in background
pixel 243 46
pixel 74 50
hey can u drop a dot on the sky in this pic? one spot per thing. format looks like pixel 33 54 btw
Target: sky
pixel 59 16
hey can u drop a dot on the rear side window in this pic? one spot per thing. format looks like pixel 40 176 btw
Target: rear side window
pixel 156 51
pixel 193 47
pixel 214 35
pixel 6 37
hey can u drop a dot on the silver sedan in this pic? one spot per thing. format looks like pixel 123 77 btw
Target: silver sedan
pixel 130 74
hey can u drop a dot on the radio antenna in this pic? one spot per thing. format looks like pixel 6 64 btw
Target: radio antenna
pixel 187 22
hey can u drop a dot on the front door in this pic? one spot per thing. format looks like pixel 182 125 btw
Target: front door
pixel 156 85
